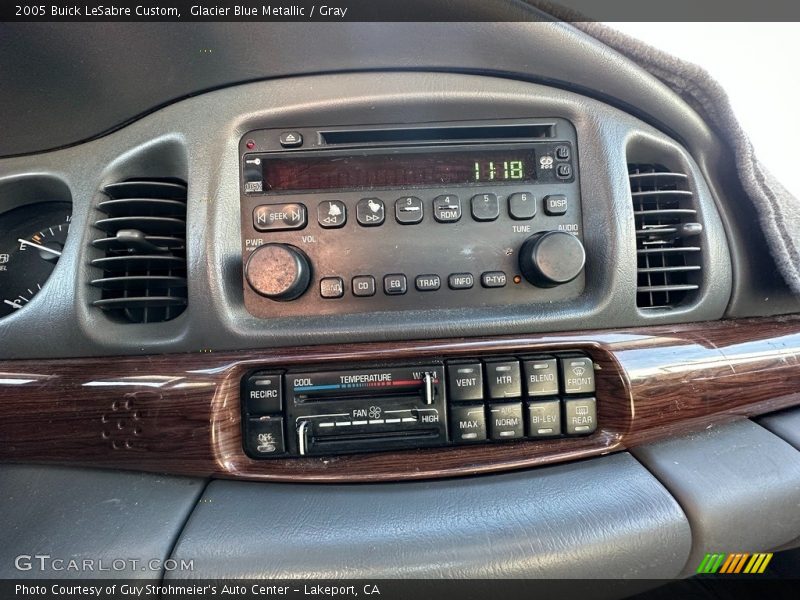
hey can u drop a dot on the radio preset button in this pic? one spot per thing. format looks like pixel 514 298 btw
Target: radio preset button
pixel 363 285
pixel 522 206
pixel 428 283
pixel 331 287
pixel 578 375
pixel 544 418
pixel 460 281
pixel 505 421
pixel 468 423
pixel 332 214
pixel 485 207
pixel 555 205
pixel 291 139
pixel 447 208
pixel 541 377
pixel 394 284
pixel 264 437
pixel 263 393
pixel 370 212
pixel 278 217
pixel 503 379
pixel 580 415
pixel 408 210
pixel 465 382
pixel 493 279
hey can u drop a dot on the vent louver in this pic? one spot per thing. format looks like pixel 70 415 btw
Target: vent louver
pixel 667 236
pixel 144 242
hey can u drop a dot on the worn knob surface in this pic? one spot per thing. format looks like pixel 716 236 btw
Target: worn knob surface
pixel 278 271
pixel 551 258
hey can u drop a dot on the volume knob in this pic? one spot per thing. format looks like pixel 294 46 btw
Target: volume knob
pixel 278 271
pixel 550 258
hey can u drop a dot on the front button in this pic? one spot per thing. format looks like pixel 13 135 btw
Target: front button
pixel 493 279
pixel 332 214
pixel 503 379
pixel 364 285
pixel 544 418
pixel 263 393
pixel 541 377
pixel 467 423
pixel 447 208
pixel 408 210
pixel 555 205
pixel 464 382
pixel 577 375
pixel 485 207
pixel 331 287
pixel 370 212
pixel 428 283
pixel 264 437
pixel 505 421
pixel 395 284
pixel 278 217
pixel 580 415
pixel 522 206
pixel 460 281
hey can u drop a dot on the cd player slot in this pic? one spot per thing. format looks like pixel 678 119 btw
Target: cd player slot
pixel 456 134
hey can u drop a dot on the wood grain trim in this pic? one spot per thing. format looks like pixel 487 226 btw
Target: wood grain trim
pixel 181 414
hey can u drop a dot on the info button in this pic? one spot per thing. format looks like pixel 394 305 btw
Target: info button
pixel 279 217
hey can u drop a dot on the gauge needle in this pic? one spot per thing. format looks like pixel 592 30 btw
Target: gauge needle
pixel 45 248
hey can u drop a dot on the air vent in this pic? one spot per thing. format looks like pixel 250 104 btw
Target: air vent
pixel 144 245
pixel 667 236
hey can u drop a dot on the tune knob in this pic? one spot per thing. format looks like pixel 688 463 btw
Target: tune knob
pixel 550 258
pixel 278 271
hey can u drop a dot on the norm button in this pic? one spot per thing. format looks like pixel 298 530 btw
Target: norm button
pixel 408 210
pixel 485 207
pixel 279 217
pixel 505 421
pixel 578 373
pixel 332 214
pixel 465 382
pixel 447 208
pixel 370 212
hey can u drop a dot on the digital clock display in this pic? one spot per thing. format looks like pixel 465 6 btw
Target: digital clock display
pixel 398 170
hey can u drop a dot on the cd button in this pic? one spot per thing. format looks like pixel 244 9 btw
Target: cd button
pixel 461 281
pixel 394 285
pixel 522 206
pixel 408 210
pixel 331 214
pixel 447 208
pixel 428 283
pixel 555 205
pixel 485 207
pixel 278 217
pixel 370 212
pixel 364 285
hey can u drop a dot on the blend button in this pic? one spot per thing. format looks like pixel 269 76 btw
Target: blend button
pixel 541 377
pixel 278 217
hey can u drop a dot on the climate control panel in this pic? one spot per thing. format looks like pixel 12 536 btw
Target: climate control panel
pixel 426 404
pixel 442 216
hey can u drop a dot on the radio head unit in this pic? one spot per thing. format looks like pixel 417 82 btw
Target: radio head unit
pixel 437 216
